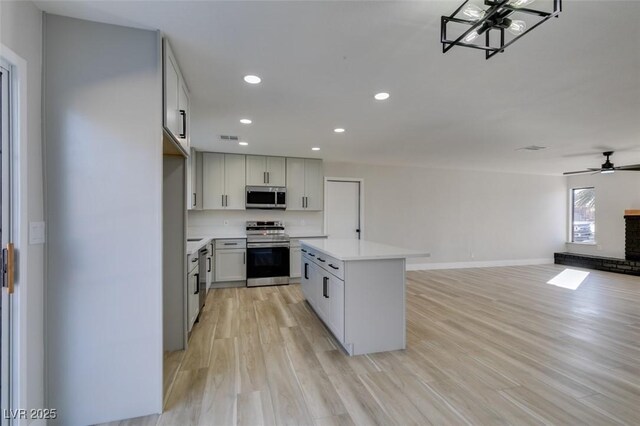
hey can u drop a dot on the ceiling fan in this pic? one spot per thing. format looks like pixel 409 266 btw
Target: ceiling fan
pixel 607 167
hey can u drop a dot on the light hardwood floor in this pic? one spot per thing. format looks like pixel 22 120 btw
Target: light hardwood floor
pixel 485 346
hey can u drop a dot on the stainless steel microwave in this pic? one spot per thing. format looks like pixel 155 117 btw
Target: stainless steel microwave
pixel 266 197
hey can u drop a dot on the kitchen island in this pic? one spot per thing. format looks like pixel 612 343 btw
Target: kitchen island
pixel 357 288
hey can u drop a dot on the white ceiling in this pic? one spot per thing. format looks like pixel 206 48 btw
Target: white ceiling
pixel 571 85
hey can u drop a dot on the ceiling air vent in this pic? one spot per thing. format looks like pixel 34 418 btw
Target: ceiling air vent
pixel 532 148
pixel 229 138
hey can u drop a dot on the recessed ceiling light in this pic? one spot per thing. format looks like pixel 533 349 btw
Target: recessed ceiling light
pixel 339 130
pixel 315 148
pixel 252 79
pixel 382 96
pixel 243 143
pixel 245 121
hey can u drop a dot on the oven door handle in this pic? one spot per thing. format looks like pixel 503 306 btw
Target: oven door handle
pixel 268 245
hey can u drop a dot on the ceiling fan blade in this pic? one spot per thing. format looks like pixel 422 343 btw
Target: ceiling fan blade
pixel 577 173
pixel 594 170
pixel 631 168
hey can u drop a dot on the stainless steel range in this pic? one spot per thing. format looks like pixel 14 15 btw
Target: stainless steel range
pixel 267 254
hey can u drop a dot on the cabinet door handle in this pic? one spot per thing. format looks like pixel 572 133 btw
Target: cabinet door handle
pixel 209 259
pixel 306 271
pixel 226 201
pixel 268 177
pixel 325 287
pixel 264 177
pixel 222 200
pixel 321 260
pixel 195 199
pixel 197 284
pixel 303 250
pixel 331 265
pixel 244 258
pixel 312 255
pixel 183 113
pixel 230 244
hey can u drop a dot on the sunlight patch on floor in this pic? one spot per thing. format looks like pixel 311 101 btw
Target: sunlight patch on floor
pixel 569 278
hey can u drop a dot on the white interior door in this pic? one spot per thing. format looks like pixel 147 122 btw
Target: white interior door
pixel 343 209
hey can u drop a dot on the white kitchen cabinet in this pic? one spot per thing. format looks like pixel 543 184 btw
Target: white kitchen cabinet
pixel 313 184
pixel 231 264
pixel 234 181
pixel 311 283
pixel 210 265
pixel 295 256
pixel 266 171
pixel 334 307
pixel 305 183
pixel 177 113
pixel 193 298
pixel 194 180
pixel 223 181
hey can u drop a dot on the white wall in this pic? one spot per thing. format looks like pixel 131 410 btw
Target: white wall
pixel 21 31
pixel 615 193
pixel 204 221
pixel 104 209
pixel 463 218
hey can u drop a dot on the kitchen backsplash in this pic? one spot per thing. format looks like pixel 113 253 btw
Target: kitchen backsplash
pixel 205 221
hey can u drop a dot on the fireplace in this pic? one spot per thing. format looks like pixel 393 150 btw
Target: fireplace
pixel 632 234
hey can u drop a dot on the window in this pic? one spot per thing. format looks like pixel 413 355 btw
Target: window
pixel 583 215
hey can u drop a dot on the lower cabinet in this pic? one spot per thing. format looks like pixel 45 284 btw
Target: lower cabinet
pixel 295 257
pixel 210 266
pixel 325 293
pixel 231 264
pixel 193 298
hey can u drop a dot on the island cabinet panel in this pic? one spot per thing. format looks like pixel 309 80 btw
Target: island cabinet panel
pixel 375 314
pixel 362 302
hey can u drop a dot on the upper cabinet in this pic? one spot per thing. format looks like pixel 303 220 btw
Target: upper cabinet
pixel 304 184
pixel 266 171
pixel 176 100
pixel 194 180
pixel 223 181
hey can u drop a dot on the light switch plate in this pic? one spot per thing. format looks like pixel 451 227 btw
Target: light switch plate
pixel 36 232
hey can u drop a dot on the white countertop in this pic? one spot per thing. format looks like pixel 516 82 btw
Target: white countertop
pixel 302 234
pixel 360 249
pixel 194 246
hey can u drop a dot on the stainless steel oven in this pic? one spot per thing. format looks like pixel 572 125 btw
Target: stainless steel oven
pixel 267 254
pixel 266 197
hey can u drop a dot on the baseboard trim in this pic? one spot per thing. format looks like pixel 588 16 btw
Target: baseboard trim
pixel 478 264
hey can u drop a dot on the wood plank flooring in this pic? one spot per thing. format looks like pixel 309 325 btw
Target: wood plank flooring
pixel 485 346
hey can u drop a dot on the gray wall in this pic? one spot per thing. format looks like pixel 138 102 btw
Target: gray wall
pixel 21 31
pixel 461 217
pixel 615 193
pixel 103 141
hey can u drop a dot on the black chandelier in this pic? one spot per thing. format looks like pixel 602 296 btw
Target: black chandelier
pixel 500 16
